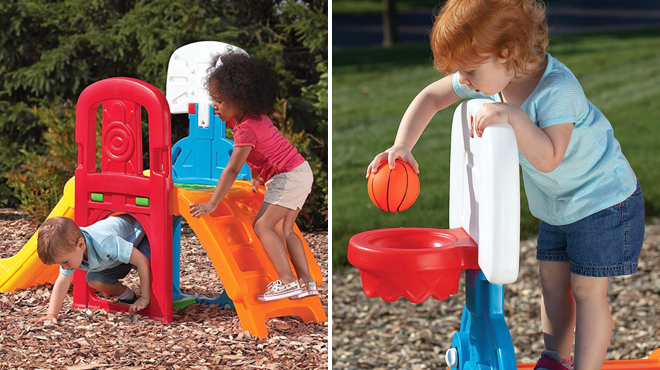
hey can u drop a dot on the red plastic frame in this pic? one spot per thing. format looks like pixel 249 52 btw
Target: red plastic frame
pixel 121 179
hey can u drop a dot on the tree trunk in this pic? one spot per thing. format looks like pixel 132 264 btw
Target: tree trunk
pixel 389 23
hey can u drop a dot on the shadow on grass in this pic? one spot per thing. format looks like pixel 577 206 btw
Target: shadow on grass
pixel 355 7
pixel 379 59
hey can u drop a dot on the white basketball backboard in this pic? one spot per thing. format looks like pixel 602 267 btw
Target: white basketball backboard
pixel 186 73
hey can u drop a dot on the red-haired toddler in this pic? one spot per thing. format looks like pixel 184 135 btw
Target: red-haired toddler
pixel 577 181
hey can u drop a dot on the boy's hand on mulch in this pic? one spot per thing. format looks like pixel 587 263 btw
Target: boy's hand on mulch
pixel 41 319
pixel 139 305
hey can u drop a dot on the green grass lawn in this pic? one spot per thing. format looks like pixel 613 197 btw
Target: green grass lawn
pixel 372 88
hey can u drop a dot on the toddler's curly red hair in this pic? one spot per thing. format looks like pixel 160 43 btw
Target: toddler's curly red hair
pixel 467 33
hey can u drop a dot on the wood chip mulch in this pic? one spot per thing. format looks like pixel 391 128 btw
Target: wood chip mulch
pixel 374 334
pixel 201 337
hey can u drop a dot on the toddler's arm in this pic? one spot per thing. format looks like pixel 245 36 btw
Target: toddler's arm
pixel 435 97
pixel 60 288
pixel 227 178
pixel 543 148
pixel 139 260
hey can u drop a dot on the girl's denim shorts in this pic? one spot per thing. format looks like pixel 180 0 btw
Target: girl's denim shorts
pixel 604 244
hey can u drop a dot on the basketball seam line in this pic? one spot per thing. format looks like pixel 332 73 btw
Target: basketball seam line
pixel 404 193
pixel 387 193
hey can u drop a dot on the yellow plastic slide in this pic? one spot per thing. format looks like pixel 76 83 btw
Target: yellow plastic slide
pixel 25 269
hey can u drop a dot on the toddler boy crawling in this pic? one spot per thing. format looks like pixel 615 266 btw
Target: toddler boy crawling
pixel 108 250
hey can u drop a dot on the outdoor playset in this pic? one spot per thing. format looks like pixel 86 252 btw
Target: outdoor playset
pixel 159 197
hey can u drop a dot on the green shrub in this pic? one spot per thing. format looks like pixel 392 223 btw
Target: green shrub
pixel 315 211
pixel 39 179
pixel 19 130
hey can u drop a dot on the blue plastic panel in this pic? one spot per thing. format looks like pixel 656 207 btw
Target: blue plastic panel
pixel 201 157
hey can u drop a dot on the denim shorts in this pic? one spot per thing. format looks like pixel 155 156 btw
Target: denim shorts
pixel 114 274
pixel 604 244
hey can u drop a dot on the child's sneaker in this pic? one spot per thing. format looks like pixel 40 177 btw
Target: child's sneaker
pixel 276 290
pixel 130 297
pixel 551 360
pixel 308 290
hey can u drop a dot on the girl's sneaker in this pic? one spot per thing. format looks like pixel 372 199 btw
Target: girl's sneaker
pixel 308 290
pixel 276 290
pixel 551 360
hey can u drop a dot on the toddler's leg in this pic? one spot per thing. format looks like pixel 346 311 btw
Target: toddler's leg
pixel 594 321
pixel 107 281
pixel 295 246
pixel 264 226
pixel 115 289
pixel 557 307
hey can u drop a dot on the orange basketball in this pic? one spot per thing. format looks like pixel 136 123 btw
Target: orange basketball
pixel 393 190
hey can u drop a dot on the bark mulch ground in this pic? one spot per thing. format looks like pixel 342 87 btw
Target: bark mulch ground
pixel 374 334
pixel 201 337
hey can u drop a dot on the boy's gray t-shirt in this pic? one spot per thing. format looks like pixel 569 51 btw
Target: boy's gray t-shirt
pixel 109 243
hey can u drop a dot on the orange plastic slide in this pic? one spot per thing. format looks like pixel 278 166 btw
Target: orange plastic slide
pixel 24 269
pixel 240 260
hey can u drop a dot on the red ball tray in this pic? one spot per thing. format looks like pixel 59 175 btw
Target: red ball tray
pixel 414 263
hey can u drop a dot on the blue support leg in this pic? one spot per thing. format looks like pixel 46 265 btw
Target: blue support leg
pixel 484 341
pixel 223 300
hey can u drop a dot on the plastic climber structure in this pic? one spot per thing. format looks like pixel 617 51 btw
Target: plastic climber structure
pixel 119 184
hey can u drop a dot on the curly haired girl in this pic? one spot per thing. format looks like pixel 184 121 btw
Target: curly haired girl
pixel 243 91
pixel 577 180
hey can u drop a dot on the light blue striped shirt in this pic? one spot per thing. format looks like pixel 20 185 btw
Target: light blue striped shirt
pixel 109 243
pixel 594 173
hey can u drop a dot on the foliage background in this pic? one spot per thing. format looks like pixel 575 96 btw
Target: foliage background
pixel 51 50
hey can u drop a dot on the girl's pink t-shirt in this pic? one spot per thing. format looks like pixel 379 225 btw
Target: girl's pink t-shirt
pixel 271 152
